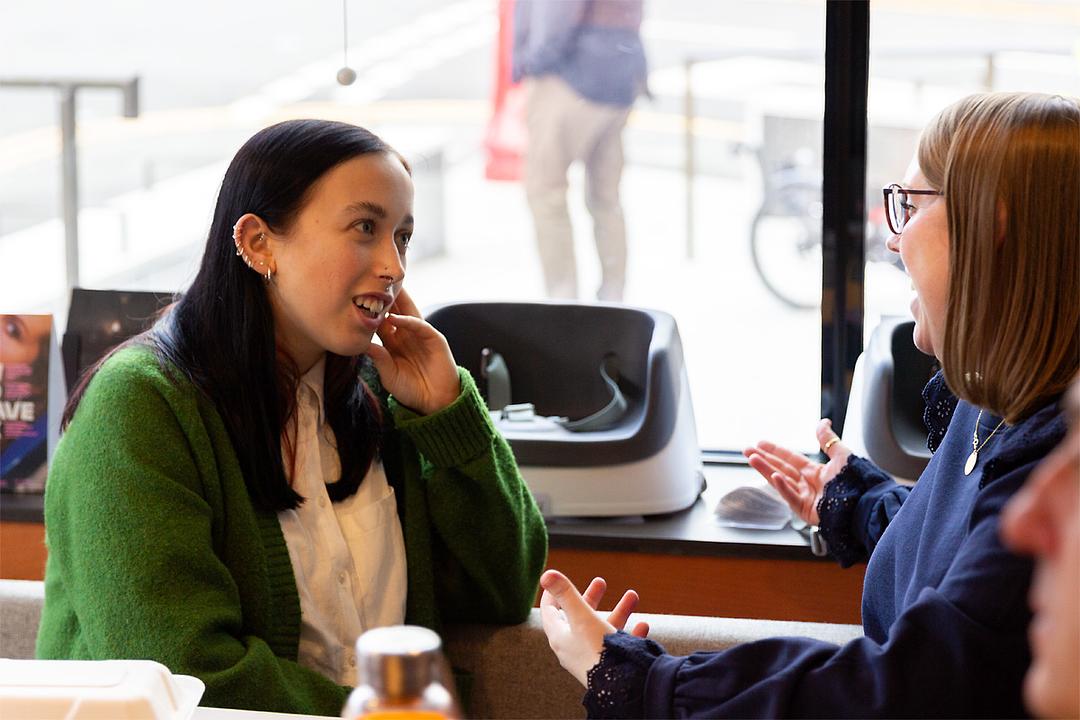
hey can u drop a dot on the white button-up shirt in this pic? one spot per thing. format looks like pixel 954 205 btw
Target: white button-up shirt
pixel 348 557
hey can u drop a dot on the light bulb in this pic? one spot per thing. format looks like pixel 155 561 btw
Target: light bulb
pixel 346 76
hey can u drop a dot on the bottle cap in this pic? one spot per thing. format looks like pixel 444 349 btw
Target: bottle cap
pixel 397 661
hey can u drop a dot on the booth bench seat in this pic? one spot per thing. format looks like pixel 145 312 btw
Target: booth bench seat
pixel 515 674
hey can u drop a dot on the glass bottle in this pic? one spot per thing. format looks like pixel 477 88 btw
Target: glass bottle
pixel 399 670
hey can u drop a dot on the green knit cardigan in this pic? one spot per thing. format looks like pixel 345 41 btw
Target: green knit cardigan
pixel 156 551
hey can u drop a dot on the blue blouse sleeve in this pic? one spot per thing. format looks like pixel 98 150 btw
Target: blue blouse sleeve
pixel 617 683
pixel 860 502
pixel 855 509
pixel 959 649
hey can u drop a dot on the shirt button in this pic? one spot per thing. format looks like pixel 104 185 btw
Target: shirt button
pixel 322 502
pixel 341 577
pixel 352 660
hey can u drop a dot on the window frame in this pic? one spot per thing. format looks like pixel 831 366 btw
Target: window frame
pixel 843 254
pixel 843 250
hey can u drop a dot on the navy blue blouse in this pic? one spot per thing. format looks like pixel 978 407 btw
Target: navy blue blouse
pixel 944 604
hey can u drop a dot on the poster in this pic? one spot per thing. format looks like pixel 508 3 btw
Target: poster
pixel 24 385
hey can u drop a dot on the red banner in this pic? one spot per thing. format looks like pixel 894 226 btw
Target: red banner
pixel 504 143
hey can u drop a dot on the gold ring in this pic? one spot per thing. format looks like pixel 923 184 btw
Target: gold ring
pixel 829 444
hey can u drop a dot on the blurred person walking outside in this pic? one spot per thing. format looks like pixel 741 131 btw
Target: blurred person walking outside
pixel 583 65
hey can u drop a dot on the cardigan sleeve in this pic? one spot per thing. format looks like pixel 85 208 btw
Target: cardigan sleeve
pixel 488 536
pixel 959 649
pixel 133 568
pixel 856 507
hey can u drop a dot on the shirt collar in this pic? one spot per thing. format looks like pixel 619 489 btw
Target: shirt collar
pixel 314 379
pixel 1043 428
pixel 940 404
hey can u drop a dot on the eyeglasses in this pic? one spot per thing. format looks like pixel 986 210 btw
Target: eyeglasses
pixel 898 206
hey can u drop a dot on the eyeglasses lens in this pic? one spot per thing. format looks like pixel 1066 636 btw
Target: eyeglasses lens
pixel 898 215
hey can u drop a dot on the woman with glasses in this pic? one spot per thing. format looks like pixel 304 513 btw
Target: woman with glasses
pixel 987 223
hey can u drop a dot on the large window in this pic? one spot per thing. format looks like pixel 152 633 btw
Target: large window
pixel 922 58
pixel 721 188
pixel 705 245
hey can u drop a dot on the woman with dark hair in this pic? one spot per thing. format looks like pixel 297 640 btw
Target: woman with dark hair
pixel 986 222
pixel 243 489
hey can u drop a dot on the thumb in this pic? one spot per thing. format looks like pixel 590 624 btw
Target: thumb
pixel 829 441
pixel 565 594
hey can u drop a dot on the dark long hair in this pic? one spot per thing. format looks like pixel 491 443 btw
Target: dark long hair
pixel 220 334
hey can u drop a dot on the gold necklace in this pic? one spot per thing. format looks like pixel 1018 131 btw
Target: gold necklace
pixel 976 447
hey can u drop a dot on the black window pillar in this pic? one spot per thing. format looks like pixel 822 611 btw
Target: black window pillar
pixel 847 63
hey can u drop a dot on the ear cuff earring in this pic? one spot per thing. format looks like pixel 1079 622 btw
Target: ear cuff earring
pixel 241 253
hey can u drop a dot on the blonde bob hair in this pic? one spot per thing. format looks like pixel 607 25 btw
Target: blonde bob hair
pixel 1009 165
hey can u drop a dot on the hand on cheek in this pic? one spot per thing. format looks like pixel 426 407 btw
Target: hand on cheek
pixel 414 362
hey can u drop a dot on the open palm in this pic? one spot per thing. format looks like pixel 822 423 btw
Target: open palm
pixel 799 480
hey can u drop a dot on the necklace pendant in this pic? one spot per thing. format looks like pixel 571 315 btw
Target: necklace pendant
pixel 970 464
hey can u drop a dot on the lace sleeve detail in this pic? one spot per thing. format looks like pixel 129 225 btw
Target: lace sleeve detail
pixel 836 509
pixel 617 682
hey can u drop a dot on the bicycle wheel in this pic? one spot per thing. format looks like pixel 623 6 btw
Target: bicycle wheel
pixel 785 245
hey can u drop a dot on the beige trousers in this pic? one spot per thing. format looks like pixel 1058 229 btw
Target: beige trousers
pixel 563 128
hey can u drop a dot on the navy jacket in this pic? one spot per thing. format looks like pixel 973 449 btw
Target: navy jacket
pixel 944 605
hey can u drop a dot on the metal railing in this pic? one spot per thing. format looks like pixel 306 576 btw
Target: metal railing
pixel 68 89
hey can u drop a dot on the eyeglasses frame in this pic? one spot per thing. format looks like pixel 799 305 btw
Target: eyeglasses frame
pixel 890 189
